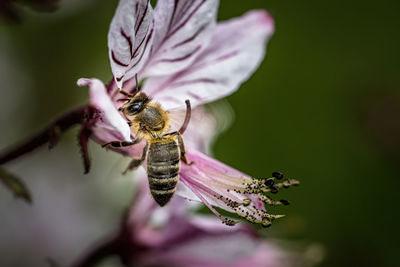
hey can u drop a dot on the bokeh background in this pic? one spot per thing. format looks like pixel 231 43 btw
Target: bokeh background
pixel 323 108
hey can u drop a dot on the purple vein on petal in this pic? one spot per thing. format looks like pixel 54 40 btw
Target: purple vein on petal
pixel 214 61
pixel 136 8
pixel 197 97
pixel 190 38
pixel 225 56
pixel 134 54
pixel 201 80
pixel 128 39
pixel 186 6
pixel 117 61
pixel 142 19
pixel 173 99
pixel 176 2
pixel 185 21
pixel 181 58
pixel 144 49
pixel 197 67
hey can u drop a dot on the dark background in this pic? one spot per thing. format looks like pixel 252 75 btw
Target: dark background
pixel 323 108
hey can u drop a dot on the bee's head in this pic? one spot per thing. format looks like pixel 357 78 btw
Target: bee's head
pixel 135 104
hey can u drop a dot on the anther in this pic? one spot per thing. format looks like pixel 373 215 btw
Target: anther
pixel 266 223
pixel 246 202
pixel 269 182
pixel 277 175
pixel 273 189
pixel 285 202
pixel 229 222
pixel 286 183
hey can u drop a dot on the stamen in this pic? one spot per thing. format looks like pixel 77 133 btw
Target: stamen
pixel 243 209
pixel 224 190
pixel 269 201
pixel 266 223
pixel 277 175
pixel 269 182
pixel 246 202
pixel 224 220
pixel 246 215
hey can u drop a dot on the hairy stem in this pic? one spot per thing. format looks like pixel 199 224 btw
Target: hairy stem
pixel 50 135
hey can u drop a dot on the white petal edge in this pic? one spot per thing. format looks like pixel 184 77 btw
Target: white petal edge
pixel 130 38
pixel 101 100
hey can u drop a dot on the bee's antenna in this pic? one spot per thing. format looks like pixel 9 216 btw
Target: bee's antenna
pixel 137 89
pixel 187 117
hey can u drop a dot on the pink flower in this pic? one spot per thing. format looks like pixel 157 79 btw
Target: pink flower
pixel 180 52
pixel 172 237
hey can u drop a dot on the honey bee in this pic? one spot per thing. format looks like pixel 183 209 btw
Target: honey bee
pixel 163 149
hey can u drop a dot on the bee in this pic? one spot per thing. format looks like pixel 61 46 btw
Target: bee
pixel 163 150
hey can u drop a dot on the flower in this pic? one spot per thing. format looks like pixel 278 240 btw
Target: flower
pixel 180 52
pixel 174 237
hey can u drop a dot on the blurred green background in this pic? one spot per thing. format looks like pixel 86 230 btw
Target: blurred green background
pixel 324 109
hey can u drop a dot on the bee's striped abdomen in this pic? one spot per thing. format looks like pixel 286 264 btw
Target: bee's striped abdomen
pixel 163 169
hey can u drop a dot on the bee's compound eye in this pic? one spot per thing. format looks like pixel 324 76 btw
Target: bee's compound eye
pixel 135 108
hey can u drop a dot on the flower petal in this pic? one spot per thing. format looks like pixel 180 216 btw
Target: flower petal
pixel 235 51
pixel 183 30
pixel 236 249
pixel 217 184
pixel 130 38
pixel 102 101
pixel 205 124
pixel 193 240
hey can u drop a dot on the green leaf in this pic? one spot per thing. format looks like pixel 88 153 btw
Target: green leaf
pixel 15 185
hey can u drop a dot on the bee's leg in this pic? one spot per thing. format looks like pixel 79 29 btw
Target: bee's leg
pixel 181 148
pixel 135 163
pixel 187 117
pixel 126 118
pixel 122 143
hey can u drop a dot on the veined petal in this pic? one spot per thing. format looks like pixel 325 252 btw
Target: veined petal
pixel 236 49
pixel 101 100
pixel 183 30
pixel 206 123
pixel 216 184
pixel 130 38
